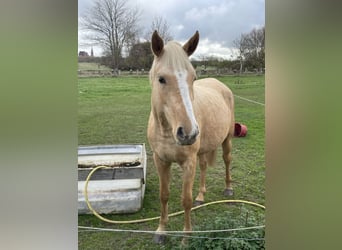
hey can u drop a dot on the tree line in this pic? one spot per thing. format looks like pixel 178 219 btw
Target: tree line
pixel 113 24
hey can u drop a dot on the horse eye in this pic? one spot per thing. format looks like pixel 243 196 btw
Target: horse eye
pixel 162 80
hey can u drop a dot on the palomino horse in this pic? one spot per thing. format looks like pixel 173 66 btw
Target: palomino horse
pixel 189 119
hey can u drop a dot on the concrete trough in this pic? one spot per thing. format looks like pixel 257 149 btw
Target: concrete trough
pixel 116 190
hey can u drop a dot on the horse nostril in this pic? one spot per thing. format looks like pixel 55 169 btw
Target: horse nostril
pixel 180 133
pixel 186 139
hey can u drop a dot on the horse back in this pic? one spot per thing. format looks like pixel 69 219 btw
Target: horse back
pixel 213 87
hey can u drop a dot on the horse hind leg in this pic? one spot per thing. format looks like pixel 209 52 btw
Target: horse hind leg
pixel 227 158
pixel 204 161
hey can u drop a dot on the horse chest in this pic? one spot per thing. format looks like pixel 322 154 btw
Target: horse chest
pixel 168 150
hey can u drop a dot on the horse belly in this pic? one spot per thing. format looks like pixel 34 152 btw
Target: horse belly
pixel 215 119
pixel 214 131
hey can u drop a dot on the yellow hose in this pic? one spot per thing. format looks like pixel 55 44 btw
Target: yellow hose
pixel 153 218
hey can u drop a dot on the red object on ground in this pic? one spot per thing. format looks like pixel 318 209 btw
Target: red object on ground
pixel 240 130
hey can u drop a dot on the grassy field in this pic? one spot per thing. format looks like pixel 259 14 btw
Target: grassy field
pixel 115 111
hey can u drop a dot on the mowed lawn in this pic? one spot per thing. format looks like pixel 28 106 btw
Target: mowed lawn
pixel 116 110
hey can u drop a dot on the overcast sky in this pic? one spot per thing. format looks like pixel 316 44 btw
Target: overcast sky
pixel 219 22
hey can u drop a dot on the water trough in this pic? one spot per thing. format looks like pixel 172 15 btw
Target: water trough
pixel 116 190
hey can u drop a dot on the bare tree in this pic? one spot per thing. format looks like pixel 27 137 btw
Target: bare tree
pixel 255 46
pixel 239 43
pixel 163 28
pixel 256 40
pixel 251 48
pixel 113 25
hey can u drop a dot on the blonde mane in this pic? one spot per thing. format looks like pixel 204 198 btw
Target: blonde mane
pixel 173 58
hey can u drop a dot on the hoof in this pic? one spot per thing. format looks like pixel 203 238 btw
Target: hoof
pixel 228 192
pixel 159 239
pixel 197 203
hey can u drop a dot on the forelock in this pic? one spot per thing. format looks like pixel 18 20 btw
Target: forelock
pixel 174 57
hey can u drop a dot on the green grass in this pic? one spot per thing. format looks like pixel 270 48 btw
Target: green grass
pixel 115 111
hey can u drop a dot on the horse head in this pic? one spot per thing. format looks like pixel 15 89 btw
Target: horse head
pixel 172 77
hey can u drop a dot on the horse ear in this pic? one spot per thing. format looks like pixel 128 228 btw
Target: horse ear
pixel 191 45
pixel 157 44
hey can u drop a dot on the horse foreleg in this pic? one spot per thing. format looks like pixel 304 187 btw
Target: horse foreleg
pixel 189 169
pixel 227 157
pixel 202 189
pixel 164 180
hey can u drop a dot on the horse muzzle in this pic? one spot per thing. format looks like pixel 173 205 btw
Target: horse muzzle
pixel 186 139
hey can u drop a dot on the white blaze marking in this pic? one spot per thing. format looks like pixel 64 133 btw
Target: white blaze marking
pixel 184 91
